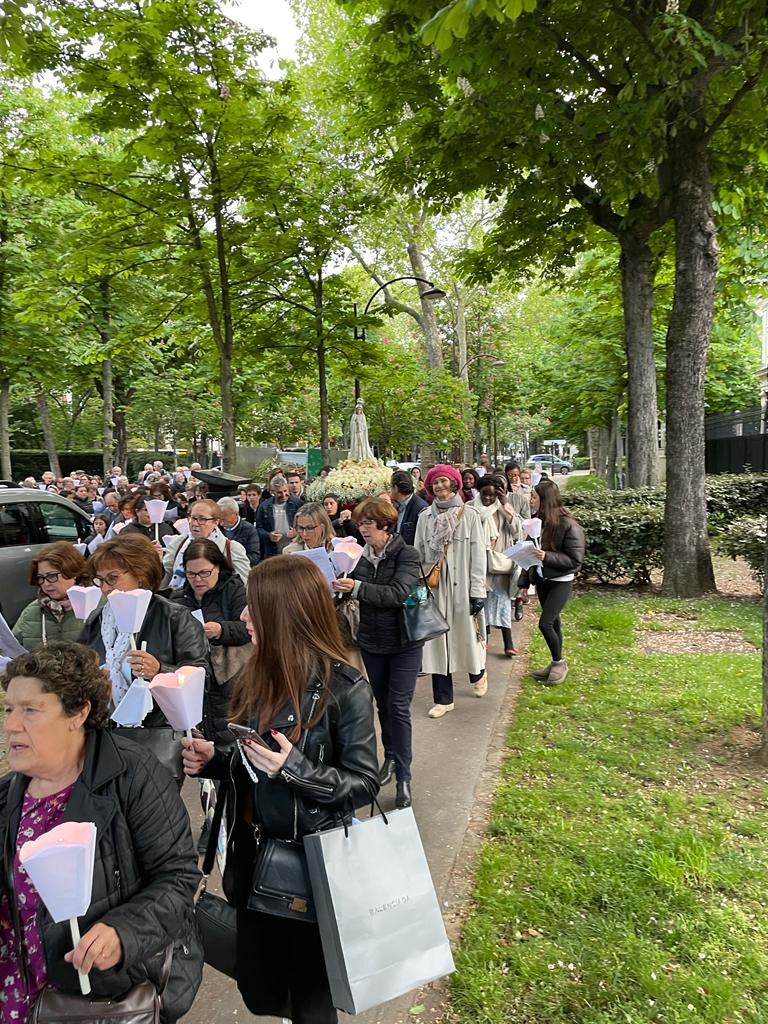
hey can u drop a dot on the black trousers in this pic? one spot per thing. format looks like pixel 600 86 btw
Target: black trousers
pixel 442 686
pixel 393 680
pixel 506 636
pixel 553 597
pixel 280 968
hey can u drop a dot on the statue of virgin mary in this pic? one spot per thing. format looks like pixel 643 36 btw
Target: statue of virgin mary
pixel 359 448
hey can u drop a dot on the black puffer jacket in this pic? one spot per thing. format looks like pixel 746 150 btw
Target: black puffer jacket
pixel 381 594
pixel 171 634
pixel 145 874
pixel 332 770
pixel 223 604
pixel 564 553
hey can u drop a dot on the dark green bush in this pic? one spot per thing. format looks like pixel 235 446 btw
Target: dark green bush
pixel 582 462
pixel 623 540
pixel 34 462
pixel 745 537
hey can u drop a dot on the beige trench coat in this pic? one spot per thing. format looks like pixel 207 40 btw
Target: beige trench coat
pixel 462 577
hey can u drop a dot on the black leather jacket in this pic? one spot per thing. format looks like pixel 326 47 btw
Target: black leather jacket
pixel 332 770
pixel 565 554
pixel 145 873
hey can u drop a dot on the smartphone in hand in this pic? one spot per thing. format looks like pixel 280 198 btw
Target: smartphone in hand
pixel 243 732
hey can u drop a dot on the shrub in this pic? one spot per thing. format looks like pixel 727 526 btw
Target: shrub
pixel 582 462
pixel 623 540
pixel 746 537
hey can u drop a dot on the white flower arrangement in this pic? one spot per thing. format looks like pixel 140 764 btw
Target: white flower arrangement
pixel 352 481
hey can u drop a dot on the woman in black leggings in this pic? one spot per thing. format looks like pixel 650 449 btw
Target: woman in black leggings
pixel 561 553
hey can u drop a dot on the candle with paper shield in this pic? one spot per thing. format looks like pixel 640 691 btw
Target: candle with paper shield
pixel 60 866
pixel 532 528
pixel 157 509
pixel 84 600
pixel 345 555
pixel 180 696
pixel 182 527
pixel 130 608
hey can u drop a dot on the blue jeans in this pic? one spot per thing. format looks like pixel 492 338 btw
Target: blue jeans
pixel 393 680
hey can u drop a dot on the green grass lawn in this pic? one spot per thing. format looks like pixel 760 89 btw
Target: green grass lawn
pixel 625 873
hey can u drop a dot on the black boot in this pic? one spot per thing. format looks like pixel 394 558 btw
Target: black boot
pixel 403 795
pixel 386 772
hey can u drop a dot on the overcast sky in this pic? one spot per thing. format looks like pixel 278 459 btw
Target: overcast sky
pixel 273 17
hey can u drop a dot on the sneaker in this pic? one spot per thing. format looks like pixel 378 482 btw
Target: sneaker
pixel 557 673
pixel 543 673
pixel 439 710
pixel 481 686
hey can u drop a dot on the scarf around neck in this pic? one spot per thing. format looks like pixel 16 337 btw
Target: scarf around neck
pixel 116 647
pixel 58 609
pixel 445 519
pixel 488 517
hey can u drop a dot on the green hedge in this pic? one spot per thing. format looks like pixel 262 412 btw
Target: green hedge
pixel 582 462
pixel 625 529
pixel 746 537
pixel 34 461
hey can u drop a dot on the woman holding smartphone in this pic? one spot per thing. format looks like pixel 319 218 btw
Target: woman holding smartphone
pixel 561 552
pixel 309 760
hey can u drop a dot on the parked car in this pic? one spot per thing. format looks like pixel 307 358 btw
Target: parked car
pixel 29 520
pixel 545 462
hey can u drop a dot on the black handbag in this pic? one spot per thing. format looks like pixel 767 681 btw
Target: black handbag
pixel 164 742
pixel 216 917
pixel 421 619
pixel 281 885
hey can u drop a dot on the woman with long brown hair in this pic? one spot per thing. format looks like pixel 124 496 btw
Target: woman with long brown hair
pixel 305 758
pixel 561 552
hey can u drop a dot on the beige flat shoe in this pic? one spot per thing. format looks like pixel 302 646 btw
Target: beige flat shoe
pixel 439 710
pixel 481 686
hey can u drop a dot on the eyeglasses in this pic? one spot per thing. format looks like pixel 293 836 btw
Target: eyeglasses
pixel 204 574
pixel 367 522
pixel 197 520
pixel 108 581
pixel 307 529
pixel 47 577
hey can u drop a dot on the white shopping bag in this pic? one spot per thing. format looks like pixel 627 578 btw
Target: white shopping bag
pixel 379 918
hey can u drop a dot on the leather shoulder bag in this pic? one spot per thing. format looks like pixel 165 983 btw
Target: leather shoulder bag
pixel 216 917
pixel 433 576
pixel 420 618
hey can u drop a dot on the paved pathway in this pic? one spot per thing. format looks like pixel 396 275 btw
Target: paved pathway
pixel 454 770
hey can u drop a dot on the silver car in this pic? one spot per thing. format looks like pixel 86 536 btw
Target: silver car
pixel 29 520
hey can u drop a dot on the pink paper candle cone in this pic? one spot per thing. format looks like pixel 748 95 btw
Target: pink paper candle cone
pixel 179 695
pixel 532 528
pixel 130 608
pixel 84 600
pixel 156 509
pixel 182 527
pixel 346 554
pixel 60 865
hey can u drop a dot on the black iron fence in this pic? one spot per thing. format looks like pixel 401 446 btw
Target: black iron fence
pixel 736 442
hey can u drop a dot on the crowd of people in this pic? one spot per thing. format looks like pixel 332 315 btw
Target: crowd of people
pixel 298 664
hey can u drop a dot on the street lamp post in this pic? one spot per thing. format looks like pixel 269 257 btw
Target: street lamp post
pixel 431 292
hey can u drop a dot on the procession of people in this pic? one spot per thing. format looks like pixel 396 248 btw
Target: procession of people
pixel 298 654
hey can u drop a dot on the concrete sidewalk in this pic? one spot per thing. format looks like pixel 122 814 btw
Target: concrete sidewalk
pixel 455 765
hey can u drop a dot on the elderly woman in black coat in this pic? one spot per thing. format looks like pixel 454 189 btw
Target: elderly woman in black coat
pixel 66 767
pixel 215 592
pixel 386 574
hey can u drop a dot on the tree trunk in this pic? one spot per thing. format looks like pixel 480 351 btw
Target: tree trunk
pixel 764 744
pixel 228 442
pixel 428 319
pixel 463 372
pixel 6 466
pixel 107 388
pixel 688 568
pixel 637 278
pixel 108 418
pixel 48 437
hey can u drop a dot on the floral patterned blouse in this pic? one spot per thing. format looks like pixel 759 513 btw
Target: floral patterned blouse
pixel 38 815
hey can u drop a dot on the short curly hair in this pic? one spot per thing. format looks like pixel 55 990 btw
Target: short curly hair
pixel 72 672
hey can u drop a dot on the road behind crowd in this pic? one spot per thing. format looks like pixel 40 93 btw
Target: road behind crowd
pixel 454 773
